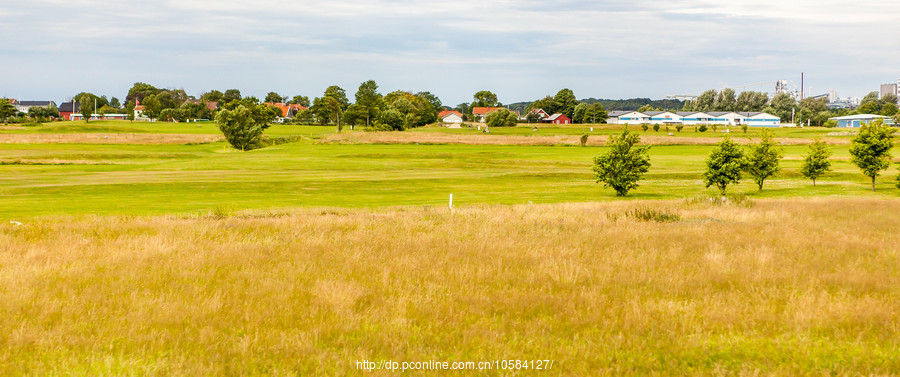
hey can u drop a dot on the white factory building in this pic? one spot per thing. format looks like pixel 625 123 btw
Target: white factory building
pixel 690 118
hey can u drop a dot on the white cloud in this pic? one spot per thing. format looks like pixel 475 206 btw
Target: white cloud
pixel 607 49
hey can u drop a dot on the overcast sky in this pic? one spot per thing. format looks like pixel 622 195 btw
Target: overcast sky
pixel 521 50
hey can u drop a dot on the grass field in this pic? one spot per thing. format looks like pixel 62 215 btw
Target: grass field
pixel 785 287
pixel 66 178
pixel 154 249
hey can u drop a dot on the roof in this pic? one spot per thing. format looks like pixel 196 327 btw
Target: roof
pixel 860 117
pixel 287 109
pixel 66 107
pixel 36 103
pixel 719 113
pixel 557 116
pixel 444 113
pixel 652 113
pixel 616 113
pixel 484 110
pixel 212 105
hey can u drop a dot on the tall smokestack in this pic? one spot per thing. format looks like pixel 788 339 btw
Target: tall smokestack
pixel 801 86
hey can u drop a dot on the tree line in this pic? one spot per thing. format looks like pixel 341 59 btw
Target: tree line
pixel 626 162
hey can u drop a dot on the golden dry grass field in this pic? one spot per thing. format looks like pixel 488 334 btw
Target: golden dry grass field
pixel 780 287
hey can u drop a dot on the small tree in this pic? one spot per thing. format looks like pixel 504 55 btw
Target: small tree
pixel 678 128
pixel 744 128
pixel 645 127
pixel 816 163
pixel 762 162
pixel 724 165
pixel 85 104
pixel 239 127
pixel 702 128
pixel 584 139
pixel 871 148
pixel 625 163
pixel 656 127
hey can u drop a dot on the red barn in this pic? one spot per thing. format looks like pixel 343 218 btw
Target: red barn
pixel 558 119
pixel 66 109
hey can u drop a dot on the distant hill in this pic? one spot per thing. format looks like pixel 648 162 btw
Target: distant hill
pixel 618 104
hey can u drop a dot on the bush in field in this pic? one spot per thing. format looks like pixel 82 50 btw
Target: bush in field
pixel 239 127
pixel 679 128
pixel 702 128
pixel 625 163
pixel 744 128
pixel 762 162
pixel 871 148
pixel 724 165
pixel 656 127
pixel 500 118
pixel 645 127
pixel 584 139
pixel 816 163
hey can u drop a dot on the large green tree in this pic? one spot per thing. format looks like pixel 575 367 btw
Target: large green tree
pixel 300 100
pixel 817 162
pixel 725 100
pixel 139 91
pixel 548 104
pixel 484 98
pixel 565 102
pixel 724 165
pixel 706 101
pixel 783 106
pixel 6 109
pixel 763 159
pixel 871 148
pixel 273 97
pixel 624 165
pixel 751 101
pixel 595 113
pixel 813 111
pixel 368 101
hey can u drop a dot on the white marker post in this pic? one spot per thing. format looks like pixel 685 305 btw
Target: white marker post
pixel 451 200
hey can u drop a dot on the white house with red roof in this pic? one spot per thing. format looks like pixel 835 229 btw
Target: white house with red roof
pixel 450 117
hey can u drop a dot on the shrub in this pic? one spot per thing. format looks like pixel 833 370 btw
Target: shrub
pixel 678 128
pixel 652 214
pixel 500 118
pixel 584 139
pixel 645 127
pixel 715 128
pixel 744 128
pixel 702 128
pixel 656 127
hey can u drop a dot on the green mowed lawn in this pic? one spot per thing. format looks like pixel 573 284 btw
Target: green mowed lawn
pixel 120 126
pixel 157 179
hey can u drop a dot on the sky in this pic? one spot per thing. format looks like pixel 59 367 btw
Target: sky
pixel 520 50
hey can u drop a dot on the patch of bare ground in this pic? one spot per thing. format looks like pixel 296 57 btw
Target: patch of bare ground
pixel 482 139
pixel 107 138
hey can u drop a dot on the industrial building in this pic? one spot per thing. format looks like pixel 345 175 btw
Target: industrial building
pixel 691 118
pixel 854 121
